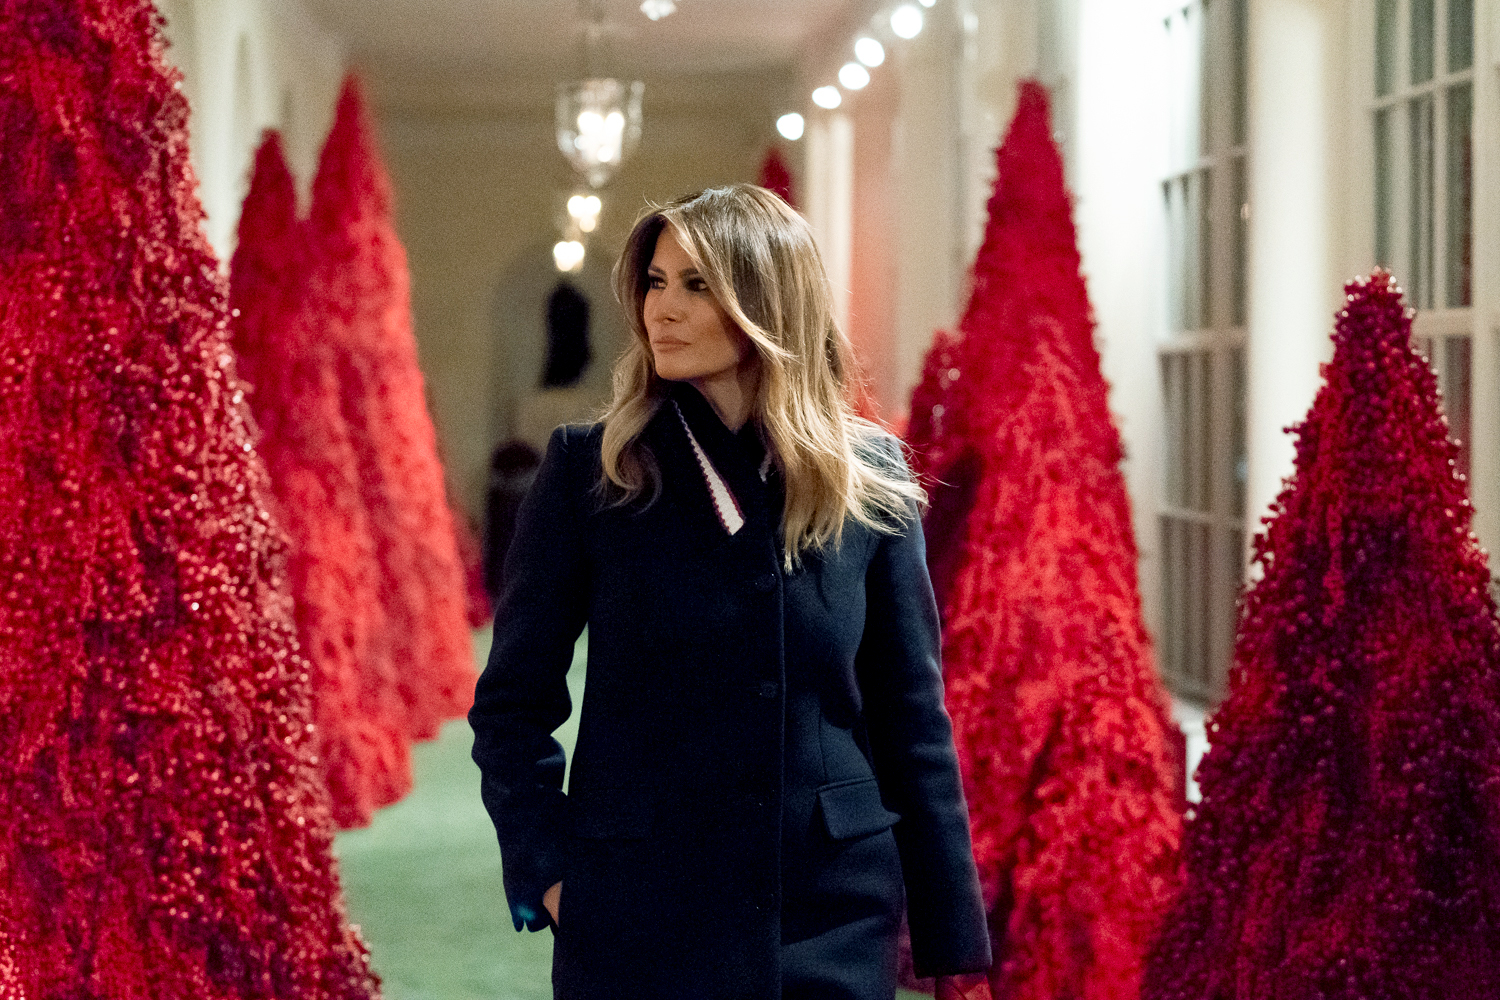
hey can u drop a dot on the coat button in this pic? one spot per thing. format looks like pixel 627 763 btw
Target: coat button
pixel 765 582
pixel 768 689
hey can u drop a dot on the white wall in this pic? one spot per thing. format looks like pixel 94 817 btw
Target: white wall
pixel 1293 152
pixel 249 65
pixel 1118 164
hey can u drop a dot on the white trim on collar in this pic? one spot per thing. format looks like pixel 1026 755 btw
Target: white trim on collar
pixel 725 505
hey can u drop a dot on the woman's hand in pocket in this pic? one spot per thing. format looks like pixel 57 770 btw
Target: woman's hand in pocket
pixel 971 987
pixel 552 899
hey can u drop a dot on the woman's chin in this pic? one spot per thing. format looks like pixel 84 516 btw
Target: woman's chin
pixel 675 373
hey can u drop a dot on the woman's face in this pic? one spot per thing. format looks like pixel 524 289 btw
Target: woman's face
pixel 692 337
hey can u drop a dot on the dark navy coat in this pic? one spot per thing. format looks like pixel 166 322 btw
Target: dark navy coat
pixel 747 734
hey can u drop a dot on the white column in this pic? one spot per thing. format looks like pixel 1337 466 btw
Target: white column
pixel 829 181
pixel 928 170
pixel 1293 291
pixel 1119 161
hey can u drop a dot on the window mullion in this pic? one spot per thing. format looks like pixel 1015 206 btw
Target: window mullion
pixel 1201 560
pixel 1439 249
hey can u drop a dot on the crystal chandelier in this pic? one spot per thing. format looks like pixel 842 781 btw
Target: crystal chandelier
pixel 598 117
pixel 658 9
pixel 598 125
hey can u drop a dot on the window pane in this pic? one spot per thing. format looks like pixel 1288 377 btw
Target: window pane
pixel 1236 564
pixel 1193 249
pixel 1457 368
pixel 1201 409
pixel 1460 35
pixel 1458 158
pixel 1200 621
pixel 1421 223
pixel 1195 83
pixel 1384 157
pixel 1238 49
pixel 1173 401
pixel 1385 46
pixel 1192 397
pixel 1209 82
pixel 1173 573
pixel 1422 23
pixel 1169 212
pixel 1225 596
pixel 1239 459
pixel 1206 308
pixel 1240 251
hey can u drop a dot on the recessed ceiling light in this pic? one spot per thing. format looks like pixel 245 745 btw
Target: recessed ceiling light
pixel 827 97
pixel 568 255
pixel 790 126
pixel 906 21
pixel 854 76
pixel 870 52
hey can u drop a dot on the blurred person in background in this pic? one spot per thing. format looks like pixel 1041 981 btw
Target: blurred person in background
pixel 513 467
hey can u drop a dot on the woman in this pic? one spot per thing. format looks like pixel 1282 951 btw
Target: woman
pixel 763 757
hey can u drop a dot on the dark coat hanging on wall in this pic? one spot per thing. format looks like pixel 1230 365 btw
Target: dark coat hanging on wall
pixel 568 350
pixel 748 738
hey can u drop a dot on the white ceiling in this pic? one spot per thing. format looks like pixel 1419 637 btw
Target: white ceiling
pixel 545 37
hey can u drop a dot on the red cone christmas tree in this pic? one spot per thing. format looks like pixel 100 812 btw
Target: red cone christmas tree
pixel 1059 717
pixel 163 835
pixel 362 740
pixel 775 177
pixel 1348 841
pixel 358 293
pixel 937 404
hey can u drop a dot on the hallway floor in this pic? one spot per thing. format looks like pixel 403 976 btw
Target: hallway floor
pixel 423 882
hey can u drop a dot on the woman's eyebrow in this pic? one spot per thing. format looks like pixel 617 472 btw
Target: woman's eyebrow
pixel 656 272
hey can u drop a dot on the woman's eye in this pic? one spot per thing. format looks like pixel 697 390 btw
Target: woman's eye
pixel 655 282
pixel 697 285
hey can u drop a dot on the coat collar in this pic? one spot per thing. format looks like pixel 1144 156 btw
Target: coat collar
pixel 742 449
pixel 737 458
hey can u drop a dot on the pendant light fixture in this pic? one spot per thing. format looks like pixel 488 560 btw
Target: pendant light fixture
pixel 598 117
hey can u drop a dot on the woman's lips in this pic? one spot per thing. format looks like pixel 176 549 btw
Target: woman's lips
pixel 665 344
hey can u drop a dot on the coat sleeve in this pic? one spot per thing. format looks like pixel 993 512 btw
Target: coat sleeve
pixel 522 696
pixel 911 738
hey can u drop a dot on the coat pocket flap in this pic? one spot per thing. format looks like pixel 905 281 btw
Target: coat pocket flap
pixel 854 809
pixel 604 813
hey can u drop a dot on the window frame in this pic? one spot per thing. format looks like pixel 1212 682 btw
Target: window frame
pixel 1202 548
pixel 1443 332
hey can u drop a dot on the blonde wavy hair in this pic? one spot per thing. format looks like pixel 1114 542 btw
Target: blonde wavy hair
pixel 759 260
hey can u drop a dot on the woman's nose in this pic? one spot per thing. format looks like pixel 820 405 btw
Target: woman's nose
pixel 662 307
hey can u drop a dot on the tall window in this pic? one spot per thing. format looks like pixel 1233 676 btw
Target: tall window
pixel 1202 357
pixel 1422 123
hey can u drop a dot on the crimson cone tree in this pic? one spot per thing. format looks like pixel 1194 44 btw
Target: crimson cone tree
pixel 1059 717
pixel 776 177
pixel 163 834
pixel 362 741
pixel 358 292
pixel 1348 840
